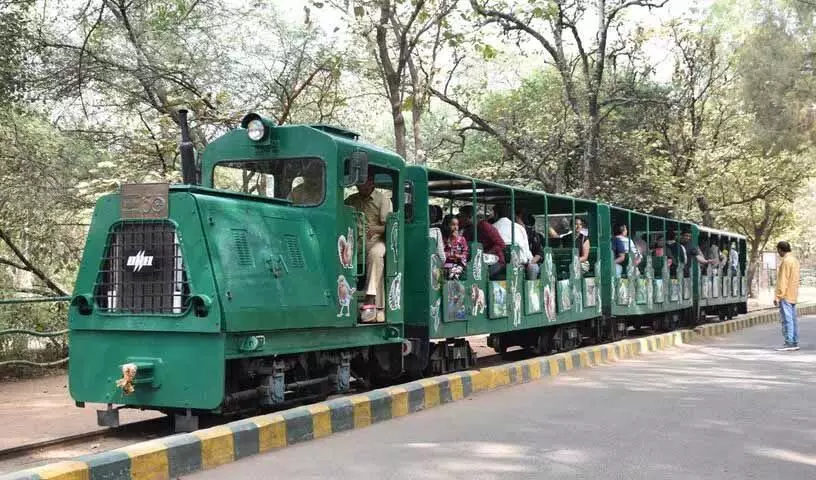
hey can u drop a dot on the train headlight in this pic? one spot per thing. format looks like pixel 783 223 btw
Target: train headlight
pixel 256 130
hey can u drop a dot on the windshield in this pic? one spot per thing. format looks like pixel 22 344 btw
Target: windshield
pixel 298 180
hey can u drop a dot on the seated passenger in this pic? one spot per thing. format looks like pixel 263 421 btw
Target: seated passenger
pixel 692 252
pixel 490 239
pixel 310 192
pixel 456 249
pixel 660 250
pixel 507 229
pixel 436 234
pixel 621 247
pixel 536 239
pixel 375 207
pixel 435 216
pixel 582 243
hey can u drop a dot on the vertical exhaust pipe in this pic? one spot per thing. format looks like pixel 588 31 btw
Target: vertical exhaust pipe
pixel 187 151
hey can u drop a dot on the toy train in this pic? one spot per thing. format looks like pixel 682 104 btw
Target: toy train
pixel 225 294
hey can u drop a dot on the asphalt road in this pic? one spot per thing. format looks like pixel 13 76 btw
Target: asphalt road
pixel 729 408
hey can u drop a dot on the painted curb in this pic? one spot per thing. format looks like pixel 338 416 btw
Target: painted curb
pixel 176 455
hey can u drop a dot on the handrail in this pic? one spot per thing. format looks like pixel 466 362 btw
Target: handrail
pixel 13 301
pixel 23 331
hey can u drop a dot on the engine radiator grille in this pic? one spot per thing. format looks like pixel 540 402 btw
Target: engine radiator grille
pixel 142 271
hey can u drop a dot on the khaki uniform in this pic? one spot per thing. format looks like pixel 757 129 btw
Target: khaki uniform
pixel 307 194
pixel 376 209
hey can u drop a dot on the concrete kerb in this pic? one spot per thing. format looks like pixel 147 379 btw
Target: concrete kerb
pixel 181 454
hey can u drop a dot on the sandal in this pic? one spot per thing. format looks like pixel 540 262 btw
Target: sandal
pixel 368 313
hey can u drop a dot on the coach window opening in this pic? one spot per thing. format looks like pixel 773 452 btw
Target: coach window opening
pixel 409 201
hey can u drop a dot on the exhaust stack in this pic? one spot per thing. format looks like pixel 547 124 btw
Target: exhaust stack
pixel 187 151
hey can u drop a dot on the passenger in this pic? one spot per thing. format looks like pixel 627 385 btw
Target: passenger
pixel 642 248
pixel 310 192
pixel 536 239
pixel 456 249
pixel 489 237
pixel 375 207
pixel 435 215
pixel 506 229
pixel 733 255
pixel 436 234
pixel 582 244
pixel 620 247
pixel 692 251
pixel 712 253
pixel 660 250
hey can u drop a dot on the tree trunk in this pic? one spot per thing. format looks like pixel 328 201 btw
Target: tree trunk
pixel 591 160
pixel 399 128
pixel 705 211
pixel 416 117
pixel 754 265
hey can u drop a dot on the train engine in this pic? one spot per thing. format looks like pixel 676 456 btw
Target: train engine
pixel 239 289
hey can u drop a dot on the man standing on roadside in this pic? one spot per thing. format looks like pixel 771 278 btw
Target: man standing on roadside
pixel 787 290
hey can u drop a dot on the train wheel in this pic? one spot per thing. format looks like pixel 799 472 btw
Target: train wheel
pixel 543 344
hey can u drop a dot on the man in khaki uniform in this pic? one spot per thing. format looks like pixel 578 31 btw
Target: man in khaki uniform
pixel 376 207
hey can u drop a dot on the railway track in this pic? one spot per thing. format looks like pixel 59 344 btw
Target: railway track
pixel 32 454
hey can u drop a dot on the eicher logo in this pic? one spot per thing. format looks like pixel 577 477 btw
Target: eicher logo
pixel 140 260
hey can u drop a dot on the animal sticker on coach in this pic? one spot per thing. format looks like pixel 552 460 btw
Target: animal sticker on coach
pixel 477 297
pixel 345 249
pixel 345 294
pixel 395 292
pixel 549 303
pixel 477 265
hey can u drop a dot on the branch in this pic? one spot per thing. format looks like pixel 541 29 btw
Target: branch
pixel 632 3
pixel 30 266
pixel 156 144
pixel 483 125
pixel 82 55
pixel 517 24
pixel 5 261
pixel 287 109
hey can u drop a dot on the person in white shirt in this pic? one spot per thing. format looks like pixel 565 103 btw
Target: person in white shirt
pixel 436 234
pixel 734 258
pixel 506 227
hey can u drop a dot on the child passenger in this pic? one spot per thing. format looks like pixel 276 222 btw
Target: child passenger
pixel 456 248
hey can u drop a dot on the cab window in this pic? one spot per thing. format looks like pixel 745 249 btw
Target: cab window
pixel 301 181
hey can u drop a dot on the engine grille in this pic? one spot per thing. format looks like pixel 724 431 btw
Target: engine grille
pixel 142 270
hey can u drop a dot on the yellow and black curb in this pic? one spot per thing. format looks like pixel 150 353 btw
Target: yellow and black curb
pixel 177 455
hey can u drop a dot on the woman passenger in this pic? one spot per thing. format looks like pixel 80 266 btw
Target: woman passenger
pixel 660 250
pixel 582 244
pixel 456 248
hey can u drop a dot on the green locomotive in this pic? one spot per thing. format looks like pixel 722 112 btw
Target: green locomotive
pixel 245 286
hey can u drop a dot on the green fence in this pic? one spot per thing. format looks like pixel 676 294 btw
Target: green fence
pixel 33 333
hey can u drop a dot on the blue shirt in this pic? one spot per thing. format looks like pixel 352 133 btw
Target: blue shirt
pixel 620 246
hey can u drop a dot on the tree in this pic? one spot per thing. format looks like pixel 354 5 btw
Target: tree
pixel 395 33
pixel 132 65
pixel 554 26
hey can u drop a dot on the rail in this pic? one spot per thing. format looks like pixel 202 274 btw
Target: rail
pixel 34 333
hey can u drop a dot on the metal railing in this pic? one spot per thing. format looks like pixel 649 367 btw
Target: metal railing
pixel 33 333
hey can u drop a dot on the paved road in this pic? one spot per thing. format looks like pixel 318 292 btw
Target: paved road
pixel 731 408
